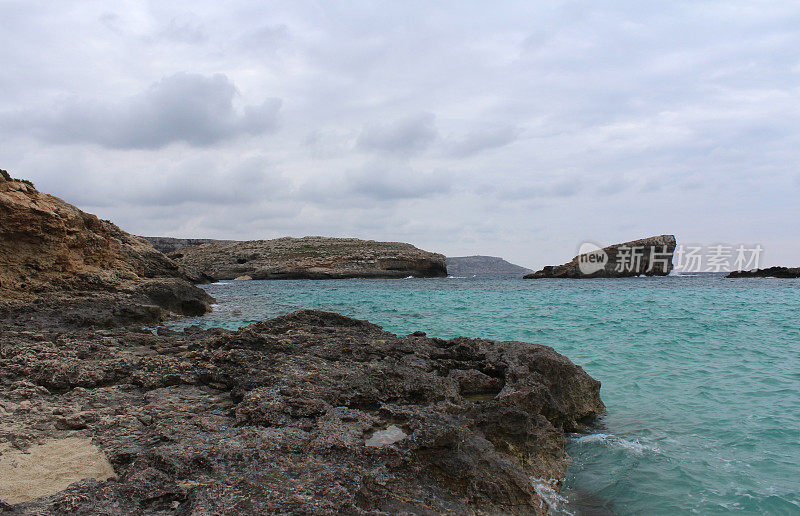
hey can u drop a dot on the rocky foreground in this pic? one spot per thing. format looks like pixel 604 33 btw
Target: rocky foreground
pixel 308 258
pixel 644 257
pixel 769 272
pixel 310 413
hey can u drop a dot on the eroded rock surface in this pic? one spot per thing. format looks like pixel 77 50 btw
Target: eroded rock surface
pixel 644 257
pixel 310 258
pixel 169 245
pixel 53 253
pixel 275 418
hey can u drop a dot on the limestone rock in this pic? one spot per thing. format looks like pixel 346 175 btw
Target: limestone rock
pixel 308 413
pixel 169 245
pixel 50 248
pixel 310 258
pixel 622 260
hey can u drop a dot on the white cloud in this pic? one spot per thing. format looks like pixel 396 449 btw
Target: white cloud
pixel 542 125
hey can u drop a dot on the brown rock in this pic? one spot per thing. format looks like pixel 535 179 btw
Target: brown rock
pixel 51 248
pixel 619 263
pixel 310 258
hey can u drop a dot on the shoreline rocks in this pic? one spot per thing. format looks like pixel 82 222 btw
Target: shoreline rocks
pixel 617 261
pixel 309 258
pixel 55 254
pixel 312 412
pixel 770 272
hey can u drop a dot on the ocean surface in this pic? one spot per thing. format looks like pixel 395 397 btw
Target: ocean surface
pixel 701 374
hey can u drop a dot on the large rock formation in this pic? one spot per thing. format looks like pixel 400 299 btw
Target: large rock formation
pixel 168 245
pixel 51 250
pixel 310 413
pixel 310 258
pixel 482 266
pixel 769 272
pixel 645 257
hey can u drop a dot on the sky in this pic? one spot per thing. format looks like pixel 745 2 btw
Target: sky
pixel 513 129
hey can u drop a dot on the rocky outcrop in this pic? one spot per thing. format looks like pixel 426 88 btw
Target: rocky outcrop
pixel 482 266
pixel 769 272
pixel 311 413
pixel 49 248
pixel 645 257
pixel 310 258
pixel 169 245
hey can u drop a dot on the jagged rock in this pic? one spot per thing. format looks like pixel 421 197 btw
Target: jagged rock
pixel 482 266
pixel 308 413
pixel 310 258
pixel 620 261
pixel 769 272
pixel 51 248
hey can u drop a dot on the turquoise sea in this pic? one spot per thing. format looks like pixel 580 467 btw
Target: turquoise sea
pixel 701 374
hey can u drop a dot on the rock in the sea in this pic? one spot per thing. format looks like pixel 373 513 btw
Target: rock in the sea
pixel 49 248
pixel 309 413
pixel 769 272
pixel 482 266
pixel 645 257
pixel 310 258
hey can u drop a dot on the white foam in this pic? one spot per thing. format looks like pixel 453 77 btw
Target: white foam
pixel 613 441
pixel 546 489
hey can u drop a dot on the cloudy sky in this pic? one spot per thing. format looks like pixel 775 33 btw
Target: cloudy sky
pixel 516 129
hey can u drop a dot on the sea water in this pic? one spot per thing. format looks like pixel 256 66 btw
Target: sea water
pixel 701 374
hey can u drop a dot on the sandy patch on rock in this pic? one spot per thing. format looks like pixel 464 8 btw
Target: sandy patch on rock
pixel 49 468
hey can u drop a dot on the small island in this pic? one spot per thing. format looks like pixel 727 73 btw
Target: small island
pixel 770 272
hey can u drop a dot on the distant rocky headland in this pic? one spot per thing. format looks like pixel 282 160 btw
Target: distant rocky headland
pixel 169 245
pixel 645 257
pixel 770 272
pixel 482 266
pixel 308 258
pixel 311 413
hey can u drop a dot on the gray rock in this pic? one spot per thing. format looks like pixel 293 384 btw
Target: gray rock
pixel 618 264
pixel 275 418
pixel 310 258
pixel 769 272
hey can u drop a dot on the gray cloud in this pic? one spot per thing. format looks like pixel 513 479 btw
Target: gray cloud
pixel 375 183
pixel 479 140
pixel 404 136
pixel 189 108
pixel 508 133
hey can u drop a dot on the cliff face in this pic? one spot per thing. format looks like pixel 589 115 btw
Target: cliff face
pixel 310 258
pixel 621 260
pixel 48 246
pixel 310 413
pixel 482 265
